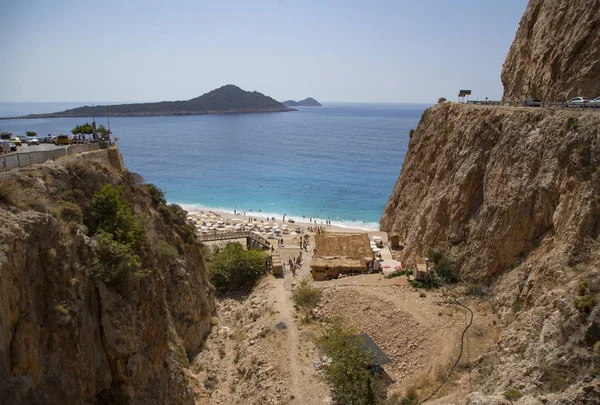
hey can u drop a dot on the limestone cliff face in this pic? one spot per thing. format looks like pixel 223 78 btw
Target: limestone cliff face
pixel 65 338
pixel 512 195
pixel 556 52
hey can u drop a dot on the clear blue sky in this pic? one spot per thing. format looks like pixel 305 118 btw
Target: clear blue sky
pixel 347 50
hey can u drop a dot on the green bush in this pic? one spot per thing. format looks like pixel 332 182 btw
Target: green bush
pixel 69 212
pixel 585 304
pixel 114 263
pixel 112 214
pixel 411 398
pixel 442 99
pixel 416 284
pixel 347 373
pixel 396 273
pixel 411 133
pixel 306 296
pixel 166 253
pixel 156 194
pixel 234 268
pixel 512 394
pixel 175 216
pixel 442 266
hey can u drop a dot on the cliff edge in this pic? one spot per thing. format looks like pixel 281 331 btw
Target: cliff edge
pixel 512 195
pixel 74 328
pixel 556 52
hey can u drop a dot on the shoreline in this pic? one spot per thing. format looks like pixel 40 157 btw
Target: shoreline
pixel 304 225
pixel 342 225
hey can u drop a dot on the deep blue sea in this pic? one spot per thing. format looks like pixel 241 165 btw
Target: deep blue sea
pixel 337 162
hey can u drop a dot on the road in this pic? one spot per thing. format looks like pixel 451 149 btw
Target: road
pixel 36 148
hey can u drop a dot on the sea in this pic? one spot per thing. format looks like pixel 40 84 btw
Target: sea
pixel 338 162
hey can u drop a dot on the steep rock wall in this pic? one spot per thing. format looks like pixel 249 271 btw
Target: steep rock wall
pixel 512 195
pixel 67 339
pixel 556 52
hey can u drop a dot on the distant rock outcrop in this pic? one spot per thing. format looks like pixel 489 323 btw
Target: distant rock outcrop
pixel 228 99
pixel 555 54
pixel 307 102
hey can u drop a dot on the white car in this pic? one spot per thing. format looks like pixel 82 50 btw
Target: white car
pixel 578 100
pixel 595 101
pixel 33 141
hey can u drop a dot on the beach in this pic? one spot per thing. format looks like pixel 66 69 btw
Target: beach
pixel 208 222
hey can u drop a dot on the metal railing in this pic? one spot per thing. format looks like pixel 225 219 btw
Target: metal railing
pixel 23 159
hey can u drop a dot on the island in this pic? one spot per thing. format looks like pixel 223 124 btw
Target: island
pixel 228 99
pixel 307 102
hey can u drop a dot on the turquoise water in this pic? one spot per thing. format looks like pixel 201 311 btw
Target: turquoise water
pixel 338 162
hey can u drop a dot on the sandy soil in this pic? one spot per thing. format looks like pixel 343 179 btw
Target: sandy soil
pixel 262 352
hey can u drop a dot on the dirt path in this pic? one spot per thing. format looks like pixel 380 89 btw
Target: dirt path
pixel 282 297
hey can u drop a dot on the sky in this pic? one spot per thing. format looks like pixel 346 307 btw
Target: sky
pixel 334 51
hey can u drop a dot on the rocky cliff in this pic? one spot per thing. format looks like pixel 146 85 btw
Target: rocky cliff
pixel 68 337
pixel 556 52
pixel 512 195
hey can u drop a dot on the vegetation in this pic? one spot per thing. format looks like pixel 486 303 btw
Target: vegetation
pixel 411 133
pixel 102 130
pixel 175 216
pixel 306 296
pixel 30 133
pixel 166 253
pixel 83 129
pixel 572 123
pixel 69 212
pixel 347 374
pixel 234 268
pixel 442 99
pixel 156 194
pixel 118 235
pixel 584 302
pixel 111 213
pixel 114 263
pixel 512 394
pixel 441 270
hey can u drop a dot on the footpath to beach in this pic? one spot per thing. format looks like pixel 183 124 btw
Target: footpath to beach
pixel 261 350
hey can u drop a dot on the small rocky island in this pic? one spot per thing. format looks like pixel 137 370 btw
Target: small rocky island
pixel 228 99
pixel 307 102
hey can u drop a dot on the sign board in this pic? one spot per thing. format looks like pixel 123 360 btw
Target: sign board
pixel 463 93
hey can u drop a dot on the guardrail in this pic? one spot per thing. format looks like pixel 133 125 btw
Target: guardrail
pixel 23 159
pixel 545 104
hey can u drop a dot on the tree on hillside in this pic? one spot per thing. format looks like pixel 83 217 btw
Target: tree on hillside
pixel 233 267
pixel 102 130
pixel 83 129
pixel 348 375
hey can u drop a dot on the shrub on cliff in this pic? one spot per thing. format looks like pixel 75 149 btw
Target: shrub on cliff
pixel 442 268
pixel 166 253
pixel 69 212
pixel 115 263
pixel 175 216
pixel 442 99
pixel 112 214
pixel 156 194
pixel 234 268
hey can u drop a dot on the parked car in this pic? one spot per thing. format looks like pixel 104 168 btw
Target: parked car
pixel 63 140
pixel 595 102
pixel 577 102
pixel 33 141
pixel 8 146
pixel 532 102
pixel 16 141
